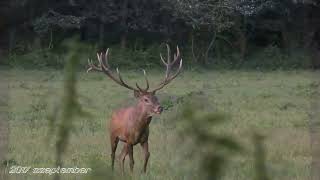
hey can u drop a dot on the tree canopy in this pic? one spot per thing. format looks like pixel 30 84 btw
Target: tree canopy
pixel 208 28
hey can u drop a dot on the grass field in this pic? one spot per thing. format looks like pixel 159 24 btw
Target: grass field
pixel 275 104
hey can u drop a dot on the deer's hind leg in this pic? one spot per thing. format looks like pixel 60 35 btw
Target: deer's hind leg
pixel 130 152
pixel 114 144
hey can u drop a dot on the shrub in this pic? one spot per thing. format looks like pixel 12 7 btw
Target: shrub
pixel 139 56
pixel 36 59
pixel 272 57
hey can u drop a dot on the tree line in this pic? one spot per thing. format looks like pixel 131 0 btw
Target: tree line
pixel 208 29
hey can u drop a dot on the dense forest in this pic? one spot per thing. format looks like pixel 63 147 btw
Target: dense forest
pixel 226 33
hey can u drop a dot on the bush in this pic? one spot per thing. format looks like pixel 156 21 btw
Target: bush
pixel 119 57
pixel 272 57
pixel 36 59
pixel 139 56
pixel 135 57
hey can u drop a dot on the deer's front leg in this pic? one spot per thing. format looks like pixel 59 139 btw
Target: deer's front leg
pixel 130 151
pixel 145 147
pixel 123 155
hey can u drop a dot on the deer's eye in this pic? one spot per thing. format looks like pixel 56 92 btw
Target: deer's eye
pixel 146 100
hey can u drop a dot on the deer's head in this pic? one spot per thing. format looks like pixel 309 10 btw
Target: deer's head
pixel 147 98
pixel 149 102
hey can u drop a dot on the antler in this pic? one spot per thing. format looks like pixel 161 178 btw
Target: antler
pixel 147 82
pixel 169 66
pixel 105 68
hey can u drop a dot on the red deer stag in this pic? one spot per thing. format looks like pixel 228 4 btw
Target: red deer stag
pixel 131 125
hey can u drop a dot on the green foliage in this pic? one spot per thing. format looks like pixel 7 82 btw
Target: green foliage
pixel 241 24
pixel 212 15
pixel 61 121
pixel 135 57
pixel 259 155
pixel 196 121
pixel 167 103
pixel 55 57
pixel 53 20
pixel 272 57
pixel 36 59
pixel 129 58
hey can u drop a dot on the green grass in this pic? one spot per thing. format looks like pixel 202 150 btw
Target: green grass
pixel 275 104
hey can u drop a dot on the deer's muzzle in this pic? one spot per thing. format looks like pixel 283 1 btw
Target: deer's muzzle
pixel 158 110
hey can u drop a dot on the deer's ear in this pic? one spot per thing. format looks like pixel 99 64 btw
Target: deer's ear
pixel 153 93
pixel 137 94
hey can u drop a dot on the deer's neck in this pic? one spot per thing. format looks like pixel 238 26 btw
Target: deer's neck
pixel 142 115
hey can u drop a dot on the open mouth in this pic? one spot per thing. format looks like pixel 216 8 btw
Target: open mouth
pixel 157 112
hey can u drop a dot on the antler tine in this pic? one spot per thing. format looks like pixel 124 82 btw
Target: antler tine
pixel 168 61
pixel 168 80
pixel 123 83
pixel 102 63
pixel 169 65
pixel 168 56
pixel 106 57
pixel 166 64
pixel 92 66
pixel 176 56
pixel 168 53
pixel 105 68
pixel 163 61
pixel 176 74
pixel 146 78
pixel 147 82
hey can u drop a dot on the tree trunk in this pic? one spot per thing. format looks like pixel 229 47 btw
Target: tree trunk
pixel 123 42
pixel 242 38
pixel 12 39
pixel 206 55
pixel 285 38
pixel 101 34
pixel 51 39
pixel 315 58
pixel 218 49
pixel 124 16
pixel 194 57
pixel 242 44
pixel 285 32
pixel 36 43
pixel 308 29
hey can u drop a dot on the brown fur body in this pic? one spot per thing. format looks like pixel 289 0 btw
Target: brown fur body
pixel 131 126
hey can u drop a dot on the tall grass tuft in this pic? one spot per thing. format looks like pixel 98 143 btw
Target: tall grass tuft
pixel 259 156
pixel 213 149
pixel 61 121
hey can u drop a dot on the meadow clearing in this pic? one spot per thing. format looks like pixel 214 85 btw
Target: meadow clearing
pixel 275 104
